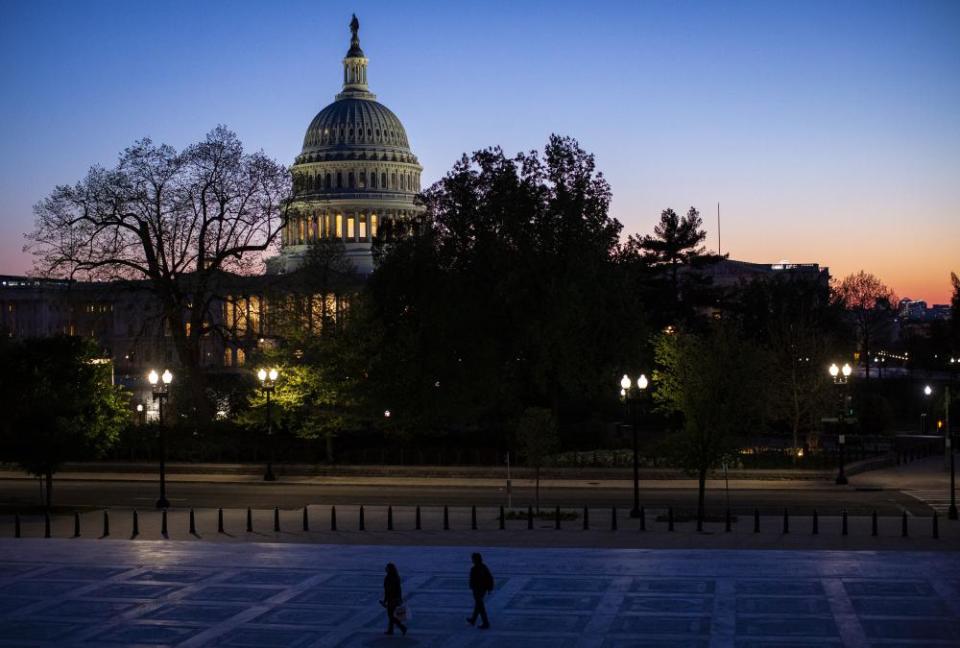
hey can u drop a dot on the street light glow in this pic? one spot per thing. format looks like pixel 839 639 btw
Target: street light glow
pixel 927 390
pixel 834 370
pixel 386 413
pixel 625 382
pixel 273 373
pixel 167 377
pixel 153 377
pixel 139 407
pixel 847 370
pixel 262 374
pixel 642 381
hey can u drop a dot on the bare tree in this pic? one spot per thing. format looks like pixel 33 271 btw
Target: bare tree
pixel 871 304
pixel 174 219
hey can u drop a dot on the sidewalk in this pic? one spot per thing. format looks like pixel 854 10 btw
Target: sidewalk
pixel 926 480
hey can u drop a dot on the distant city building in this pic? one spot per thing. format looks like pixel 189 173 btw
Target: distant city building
pixel 729 273
pixel 917 311
pixel 355 174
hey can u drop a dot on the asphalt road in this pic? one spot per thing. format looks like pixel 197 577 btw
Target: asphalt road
pixel 23 494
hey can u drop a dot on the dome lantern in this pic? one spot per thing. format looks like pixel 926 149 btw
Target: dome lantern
pixel 355 67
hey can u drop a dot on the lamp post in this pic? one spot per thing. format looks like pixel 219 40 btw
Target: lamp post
pixel 268 379
pixel 160 384
pixel 841 376
pixel 140 414
pixel 631 400
pixel 927 392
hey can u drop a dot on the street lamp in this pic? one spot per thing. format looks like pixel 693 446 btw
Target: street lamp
pixel 140 414
pixel 631 399
pixel 841 376
pixel 160 385
pixel 268 379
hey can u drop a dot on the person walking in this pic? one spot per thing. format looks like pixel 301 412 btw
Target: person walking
pixel 392 599
pixel 481 584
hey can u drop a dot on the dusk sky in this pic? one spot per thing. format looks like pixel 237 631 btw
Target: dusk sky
pixel 828 132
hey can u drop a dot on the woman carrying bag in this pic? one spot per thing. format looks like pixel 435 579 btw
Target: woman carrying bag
pixel 393 600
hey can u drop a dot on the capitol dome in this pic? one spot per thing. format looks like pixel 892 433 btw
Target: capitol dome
pixel 355 172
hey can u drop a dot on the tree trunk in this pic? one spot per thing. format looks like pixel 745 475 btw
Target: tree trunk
pixel 328 438
pixel 701 495
pixel 537 488
pixel 49 497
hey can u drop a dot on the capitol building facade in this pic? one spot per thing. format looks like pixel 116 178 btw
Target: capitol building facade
pixel 355 176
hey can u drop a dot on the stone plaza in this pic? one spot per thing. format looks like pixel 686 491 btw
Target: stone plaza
pixel 63 592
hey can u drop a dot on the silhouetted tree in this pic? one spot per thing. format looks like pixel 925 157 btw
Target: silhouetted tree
pixel 174 218
pixel 676 242
pixel 536 431
pixel 871 305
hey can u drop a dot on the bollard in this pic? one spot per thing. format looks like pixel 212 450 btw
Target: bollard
pixel 106 524
pixel 389 517
pixel 843 530
pixel 16 525
pixel 756 520
pixel 586 518
pixel 76 525
pixel 643 518
pixel 163 523
pixel 529 518
pixel 556 519
pixel 276 519
pixel 333 518
pixel 136 524
pixel 361 525
pixel 727 526
pixel 46 524
pixel 473 518
pixel 816 522
pixel 873 524
pixel 670 519
pixel 786 520
pixel 306 519
pixel 936 526
pixel 613 519
pixel 193 523
pixel 503 519
pixel 220 521
pixel 903 526
pixel 417 521
pixel 446 518
pixel 249 520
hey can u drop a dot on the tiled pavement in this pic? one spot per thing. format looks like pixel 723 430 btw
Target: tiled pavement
pixel 121 593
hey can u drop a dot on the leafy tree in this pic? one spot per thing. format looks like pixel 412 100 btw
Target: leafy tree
pixel 871 305
pixel 536 431
pixel 177 219
pixel 59 405
pixel 715 381
pixel 676 242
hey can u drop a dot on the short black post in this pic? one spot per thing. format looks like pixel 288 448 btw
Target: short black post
pixel 844 529
pixel 389 517
pixel 613 519
pixel 756 520
pixel 936 526
pixel 670 519
pixel 786 520
pixel 76 525
pixel 220 521
pixel 249 520
pixel 874 531
pixel 333 518
pixel 16 525
pixel 193 523
pixel 699 521
pixel 556 519
pixel 904 532
pixel 529 518
pixel 586 518
pixel 276 519
pixel 816 522
pixel 446 518
pixel 46 524
pixel 503 518
pixel 417 518
pixel 727 526
pixel 106 524
pixel 163 523
pixel 136 524
pixel 361 524
pixel 473 518
pixel 306 519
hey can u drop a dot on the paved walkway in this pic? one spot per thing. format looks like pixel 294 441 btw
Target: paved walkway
pixel 927 480
pixel 119 593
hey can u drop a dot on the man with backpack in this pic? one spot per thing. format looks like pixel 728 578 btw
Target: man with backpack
pixel 481 583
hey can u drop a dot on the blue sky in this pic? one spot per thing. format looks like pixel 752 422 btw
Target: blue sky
pixel 828 131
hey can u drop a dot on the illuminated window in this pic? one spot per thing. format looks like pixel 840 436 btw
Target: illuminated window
pixel 300 230
pixel 241 357
pixel 227 358
pixel 310 229
pixel 373 225
pixel 350 220
pixel 363 227
pixel 339 230
pixel 253 316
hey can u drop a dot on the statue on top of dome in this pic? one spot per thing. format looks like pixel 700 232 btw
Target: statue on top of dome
pixel 354 26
